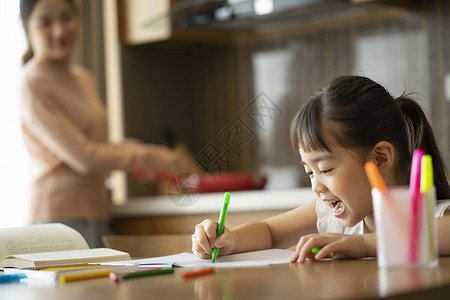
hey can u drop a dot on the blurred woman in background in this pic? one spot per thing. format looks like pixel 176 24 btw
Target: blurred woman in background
pixel 65 129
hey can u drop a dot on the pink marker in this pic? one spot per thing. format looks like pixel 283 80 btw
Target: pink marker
pixel 414 188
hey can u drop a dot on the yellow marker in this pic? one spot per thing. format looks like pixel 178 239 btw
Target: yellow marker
pixel 427 183
pixel 426 174
pixel 86 275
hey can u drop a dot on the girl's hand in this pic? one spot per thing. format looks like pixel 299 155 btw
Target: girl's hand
pixel 331 244
pixel 204 240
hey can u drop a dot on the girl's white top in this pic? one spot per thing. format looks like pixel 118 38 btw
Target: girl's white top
pixel 327 222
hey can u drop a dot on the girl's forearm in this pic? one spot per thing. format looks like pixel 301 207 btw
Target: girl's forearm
pixel 251 237
pixel 370 242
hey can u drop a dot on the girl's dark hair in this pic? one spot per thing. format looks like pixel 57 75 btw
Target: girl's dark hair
pixel 26 8
pixel 356 112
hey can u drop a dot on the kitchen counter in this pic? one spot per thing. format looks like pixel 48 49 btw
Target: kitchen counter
pixel 175 214
pixel 241 201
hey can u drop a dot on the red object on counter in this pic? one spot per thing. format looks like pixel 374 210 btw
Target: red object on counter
pixel 229 182
pixel 208 183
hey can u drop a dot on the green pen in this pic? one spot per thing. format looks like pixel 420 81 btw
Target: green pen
pixel 316 250
pixel 118 277
pixel 221 225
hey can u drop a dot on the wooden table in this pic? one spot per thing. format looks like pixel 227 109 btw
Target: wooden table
pixel 338 279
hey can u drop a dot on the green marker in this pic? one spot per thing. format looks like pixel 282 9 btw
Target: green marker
pixel 221 226
pixel 148 273
pixel 316 250
pixel 117 277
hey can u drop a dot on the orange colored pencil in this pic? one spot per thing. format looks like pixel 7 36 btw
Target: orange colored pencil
pixel 374 175
pixel 198 272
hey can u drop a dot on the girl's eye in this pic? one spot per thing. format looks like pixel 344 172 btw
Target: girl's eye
pixel 326 171
pixel 309 174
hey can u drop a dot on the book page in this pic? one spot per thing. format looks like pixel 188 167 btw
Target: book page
pixel 42 259
pixel 40 238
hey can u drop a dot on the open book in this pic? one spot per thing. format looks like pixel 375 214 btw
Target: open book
pixel 50 245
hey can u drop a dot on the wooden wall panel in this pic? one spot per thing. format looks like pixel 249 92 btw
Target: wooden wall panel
pixel 437 22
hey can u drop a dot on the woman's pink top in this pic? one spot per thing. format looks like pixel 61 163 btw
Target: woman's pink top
pixel 65 132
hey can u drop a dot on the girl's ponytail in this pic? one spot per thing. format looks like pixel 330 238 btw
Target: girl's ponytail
pixel 420 135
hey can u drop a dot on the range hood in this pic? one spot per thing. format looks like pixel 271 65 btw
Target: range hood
pixel 261 15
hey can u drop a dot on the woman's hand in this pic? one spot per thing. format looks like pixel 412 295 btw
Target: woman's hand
pixel 204 240
pixel 158 158
pixel 333 244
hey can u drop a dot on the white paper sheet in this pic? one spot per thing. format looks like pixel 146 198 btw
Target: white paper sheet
pixel 248 259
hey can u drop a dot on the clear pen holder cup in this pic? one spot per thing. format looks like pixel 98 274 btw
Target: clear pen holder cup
pixel 406 234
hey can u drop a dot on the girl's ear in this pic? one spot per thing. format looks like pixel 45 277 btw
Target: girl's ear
pixel 383 154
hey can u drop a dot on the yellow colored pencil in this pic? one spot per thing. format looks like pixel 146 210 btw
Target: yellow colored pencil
pixel 87 275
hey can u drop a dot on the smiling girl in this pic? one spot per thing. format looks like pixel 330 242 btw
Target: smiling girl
pixel 350 121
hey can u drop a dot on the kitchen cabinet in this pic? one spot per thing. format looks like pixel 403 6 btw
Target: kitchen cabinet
pixel 142 21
